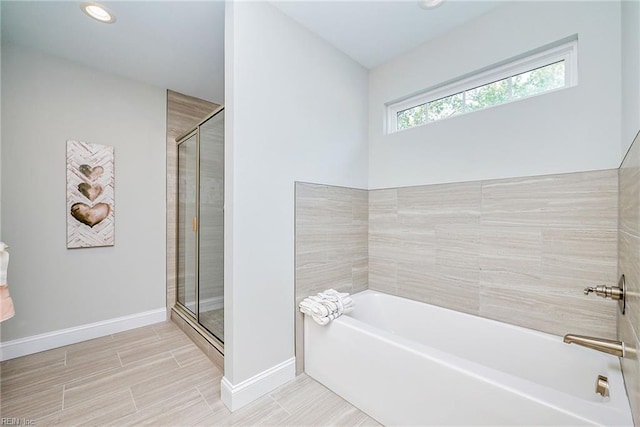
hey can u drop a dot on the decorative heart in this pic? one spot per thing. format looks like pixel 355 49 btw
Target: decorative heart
pixel 90 215
pixel 89 191
pixel 91 173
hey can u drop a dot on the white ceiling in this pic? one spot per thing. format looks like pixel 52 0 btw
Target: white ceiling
pixel 373 32
pixel 172 44
pixel 180 44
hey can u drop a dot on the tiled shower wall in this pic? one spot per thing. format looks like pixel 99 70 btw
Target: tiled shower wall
pixel 331 244
pixel 516 250
pixel 629 265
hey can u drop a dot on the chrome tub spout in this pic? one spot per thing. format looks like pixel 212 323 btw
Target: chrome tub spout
pixel 617 348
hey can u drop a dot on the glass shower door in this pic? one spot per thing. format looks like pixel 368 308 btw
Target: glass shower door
pixel 200 229
pixel 211 238
pixel 187 223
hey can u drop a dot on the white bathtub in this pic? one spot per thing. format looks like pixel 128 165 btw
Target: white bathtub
pixel 408 363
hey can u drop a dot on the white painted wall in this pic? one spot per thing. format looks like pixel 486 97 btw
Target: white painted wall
pixel 46 101
pixel 630 72
pixel 296 111
pixel 0 141
pixel 577 129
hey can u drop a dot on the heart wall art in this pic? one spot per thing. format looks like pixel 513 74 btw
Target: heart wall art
pixel 90 195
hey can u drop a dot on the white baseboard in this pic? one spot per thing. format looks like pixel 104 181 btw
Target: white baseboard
pixel 237 396
pixel 60 338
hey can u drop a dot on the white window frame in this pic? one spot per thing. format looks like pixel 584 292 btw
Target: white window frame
pixel 564 50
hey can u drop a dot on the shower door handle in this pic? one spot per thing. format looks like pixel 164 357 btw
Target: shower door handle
pixel 195 224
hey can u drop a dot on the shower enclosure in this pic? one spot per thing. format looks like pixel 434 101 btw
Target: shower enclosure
pixel 200 230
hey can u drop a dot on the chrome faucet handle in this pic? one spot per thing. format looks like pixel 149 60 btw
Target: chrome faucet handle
pixel 617 293
pixel 603 291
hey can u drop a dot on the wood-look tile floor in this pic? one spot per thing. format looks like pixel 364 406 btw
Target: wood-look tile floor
pixel 151 376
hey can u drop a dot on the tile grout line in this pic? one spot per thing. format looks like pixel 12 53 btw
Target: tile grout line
pixel 120 359
pixel 174 358
pixel 278 403
pixel 205 400
pixel 64 390
pixel 156 333
pixel 133 400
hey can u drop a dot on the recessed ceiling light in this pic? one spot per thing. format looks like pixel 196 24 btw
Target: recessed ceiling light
pixel 98 12
pixel 430 4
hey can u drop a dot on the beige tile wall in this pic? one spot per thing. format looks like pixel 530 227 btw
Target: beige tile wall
pixel 516 250
pixel 331 244
pixel 629 265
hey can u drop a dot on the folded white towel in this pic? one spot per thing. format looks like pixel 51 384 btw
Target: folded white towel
pixel 326 306
pixel 313 309
pixel 336 293
pixel 332 295
pixel 316 310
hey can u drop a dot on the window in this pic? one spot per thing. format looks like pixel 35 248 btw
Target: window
pixel 543 70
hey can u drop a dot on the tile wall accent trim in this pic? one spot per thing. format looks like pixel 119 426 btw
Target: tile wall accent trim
pixel 517 250
pixel 60 338
pixel 629 265
pixel 241 394
pixel 331 245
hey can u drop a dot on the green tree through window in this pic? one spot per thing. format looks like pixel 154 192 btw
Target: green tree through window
pixel 529 83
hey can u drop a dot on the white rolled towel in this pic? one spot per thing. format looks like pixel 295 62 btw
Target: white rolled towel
pixel 332 295
pixel 317 306
pixel 340 299
pixel 326 306
pixel 311 308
